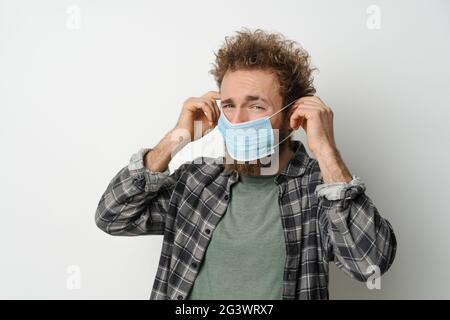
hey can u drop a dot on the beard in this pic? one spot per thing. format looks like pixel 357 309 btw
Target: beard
pixel 253 168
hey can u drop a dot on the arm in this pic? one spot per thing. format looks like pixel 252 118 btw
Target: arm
pixel 354 234
pixel 137 198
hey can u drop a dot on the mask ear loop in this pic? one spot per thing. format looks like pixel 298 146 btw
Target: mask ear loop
pixel 290 134
pixel 282 108
pixel 293 131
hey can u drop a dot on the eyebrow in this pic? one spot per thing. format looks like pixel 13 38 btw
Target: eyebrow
pixel 247 99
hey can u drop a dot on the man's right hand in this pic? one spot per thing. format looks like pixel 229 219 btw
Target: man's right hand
pixel 202 109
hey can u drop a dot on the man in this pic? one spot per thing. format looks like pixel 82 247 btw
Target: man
pixel 266 224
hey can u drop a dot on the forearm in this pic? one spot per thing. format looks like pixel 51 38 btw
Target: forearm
pixel 121 209
pixel 332 166
pixel 359 237
pixel 158 158
pixel 136 200
pixel 354 234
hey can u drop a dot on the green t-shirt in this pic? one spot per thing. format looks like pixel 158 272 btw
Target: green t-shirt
pixel 246 255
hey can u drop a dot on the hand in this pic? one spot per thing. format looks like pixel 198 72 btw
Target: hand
pixel 202 109
pixel 316 119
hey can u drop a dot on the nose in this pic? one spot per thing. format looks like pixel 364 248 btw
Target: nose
pixel 237 116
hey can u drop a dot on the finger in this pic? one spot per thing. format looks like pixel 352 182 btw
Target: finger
pixel 317 99
pixel 314 100
pixel 213 114
pixel 216 109
pixel 212 104
pixel 307 100
pixel 208 111
pixel 304 112
pixel 194 104
pixel 296 106
pixel 212 95
pixel 298 117
pixel 319 108
pixel 213 111
pixel 201 105
pixel 312 106
pixel 310 97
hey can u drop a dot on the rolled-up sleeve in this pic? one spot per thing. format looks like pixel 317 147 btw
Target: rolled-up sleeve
pixel 354 234
pixel 136 200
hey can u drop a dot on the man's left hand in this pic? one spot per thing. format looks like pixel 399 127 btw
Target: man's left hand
pixel 316 119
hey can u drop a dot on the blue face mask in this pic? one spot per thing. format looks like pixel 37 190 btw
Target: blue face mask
pixel 250 140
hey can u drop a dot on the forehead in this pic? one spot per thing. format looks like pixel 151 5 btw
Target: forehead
pixel 238 84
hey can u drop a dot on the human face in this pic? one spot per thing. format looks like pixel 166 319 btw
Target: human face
pixel 251 94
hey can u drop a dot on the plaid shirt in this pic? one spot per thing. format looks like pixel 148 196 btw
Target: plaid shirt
pixel 344 227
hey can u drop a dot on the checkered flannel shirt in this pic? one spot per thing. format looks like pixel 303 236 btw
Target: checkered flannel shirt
pixel 321 222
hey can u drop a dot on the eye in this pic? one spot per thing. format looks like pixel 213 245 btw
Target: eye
pixel 257 107
pixel 226 106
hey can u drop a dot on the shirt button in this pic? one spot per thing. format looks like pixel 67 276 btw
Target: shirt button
pixel 194 265
pixel 208 231
pixel 180 297
pixel 226 197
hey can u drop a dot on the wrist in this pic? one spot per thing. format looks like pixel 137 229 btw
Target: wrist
pixel 153 161
pixel 158 158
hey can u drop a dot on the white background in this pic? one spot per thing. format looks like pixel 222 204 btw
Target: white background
pixel 75 103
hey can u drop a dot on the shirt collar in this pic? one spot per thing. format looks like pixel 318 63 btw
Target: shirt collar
pixel 298 163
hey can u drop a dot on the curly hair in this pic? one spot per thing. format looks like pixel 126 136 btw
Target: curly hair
pixel 259 49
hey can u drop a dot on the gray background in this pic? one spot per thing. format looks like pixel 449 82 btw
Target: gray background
pixel 76 100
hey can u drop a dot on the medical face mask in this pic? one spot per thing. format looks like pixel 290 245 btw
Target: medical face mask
pixel 250 140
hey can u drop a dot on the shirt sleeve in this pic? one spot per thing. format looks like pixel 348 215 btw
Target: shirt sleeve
pixel 153 180
pixel 337 191
pixel 354 234
pixel 136 200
